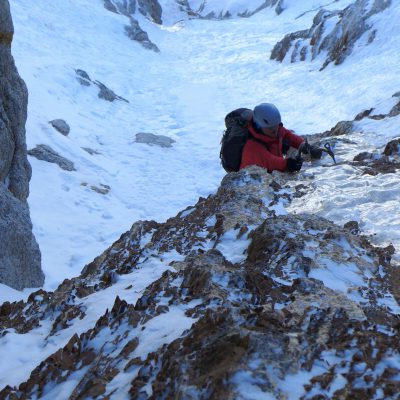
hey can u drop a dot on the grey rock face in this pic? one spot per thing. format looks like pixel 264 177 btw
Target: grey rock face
pixel 20 256
pixel 19 253
pixel 220 12
pixel 46 153
pixel 135 32
pixel 149 8
pixel 61 126
pixel 105 93
pixel 152 139
pixel 83 77
pixel 339 41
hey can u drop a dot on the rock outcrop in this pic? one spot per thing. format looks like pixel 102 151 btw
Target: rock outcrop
pixel 48 154
pixel 154 140
pixel 149 8
pixel 104 93
pixel 333 32
pixel 20 259
pixel 61 126
pixel 217 11
pixel 377 161
pixel 136 33
pixel 240 297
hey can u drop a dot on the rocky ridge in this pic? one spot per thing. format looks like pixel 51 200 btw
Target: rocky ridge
pixel 376 161
pixel 20 258
pixel 257 296
pixel 333 32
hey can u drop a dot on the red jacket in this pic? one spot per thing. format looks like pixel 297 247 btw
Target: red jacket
pixel 268 154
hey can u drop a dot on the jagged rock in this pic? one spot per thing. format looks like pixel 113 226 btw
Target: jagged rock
pixel 280 7
pixel 387 162
pixel 20 257
pixel 107 94
pixel 92 152
pixel 337 42
pixel 206 10
pixel 392 148
pixel 298 290
pixel 152 9
pixel 394 111
pixel 83 77
pixel 149 8
pixel 61 126
pixel 101 189
pixel 363 114
pixel 365 155
pixel 104 93
pixel 46 153
pixel 352 226
pixel 342 128
pixel 135 32
pixel 152 139
pixel 110 6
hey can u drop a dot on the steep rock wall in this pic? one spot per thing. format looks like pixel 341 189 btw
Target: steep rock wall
pixel 19 253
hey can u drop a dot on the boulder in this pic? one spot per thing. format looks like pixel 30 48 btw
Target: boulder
pixel 152 139
pixel 61 126
pixel 46 153
pixel 20 258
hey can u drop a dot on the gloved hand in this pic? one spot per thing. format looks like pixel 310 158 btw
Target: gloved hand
pixel 294 164
pixel 315 152
pixel 305 148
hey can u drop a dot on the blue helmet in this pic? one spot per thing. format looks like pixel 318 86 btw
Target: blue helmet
pixel 266 115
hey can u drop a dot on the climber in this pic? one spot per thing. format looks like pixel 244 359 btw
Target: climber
pixel 269 141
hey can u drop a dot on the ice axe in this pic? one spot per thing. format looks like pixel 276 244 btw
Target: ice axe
pixel 305 145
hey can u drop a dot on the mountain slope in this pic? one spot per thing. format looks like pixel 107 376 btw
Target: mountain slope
pixel 299 272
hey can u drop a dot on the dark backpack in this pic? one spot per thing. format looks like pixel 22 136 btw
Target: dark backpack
pixel 234 138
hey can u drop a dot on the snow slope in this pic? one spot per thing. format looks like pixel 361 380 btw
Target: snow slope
pixel 205 69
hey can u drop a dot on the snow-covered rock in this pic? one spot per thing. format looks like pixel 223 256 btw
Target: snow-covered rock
pixel 333 33
pixel 239 296
pixel 48 154
pixel 61 126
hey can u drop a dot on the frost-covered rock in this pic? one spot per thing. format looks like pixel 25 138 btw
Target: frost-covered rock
pixel 333 33
pixel 46 153
pixel 221 10
pixel 149 8
pixel 152 139
pixel 237 292
pixel 20 259
pixel 136 33
pixel 61 126
pixel 104 93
